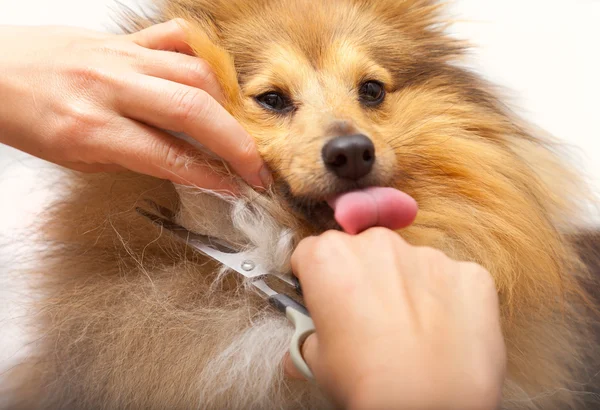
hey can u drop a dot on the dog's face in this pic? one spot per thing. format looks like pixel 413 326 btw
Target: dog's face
pixel 352 93
pixel 341 95
pixel 321 125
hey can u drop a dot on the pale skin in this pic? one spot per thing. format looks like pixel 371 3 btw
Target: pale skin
pixel 95 102
pixel 396 326
pixel 399 326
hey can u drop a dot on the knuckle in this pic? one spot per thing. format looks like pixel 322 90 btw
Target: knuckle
pixel 178 25
pixel 192 104
pixel 201 73
pixel 382 238
pixel 77 122
pixel 437 267
pixel 478 273
pixel 316 254
pixel 88 75
pixel 472 268
pixel 332 237
pixel 173 29
pixel 328 244
pixel 173 157
pixel 381 233
pixel 88 69
pixel 434 256
pixel 246 152
pixel 77 47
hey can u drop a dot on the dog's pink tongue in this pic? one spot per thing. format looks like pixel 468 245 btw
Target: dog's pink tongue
pixel 386 207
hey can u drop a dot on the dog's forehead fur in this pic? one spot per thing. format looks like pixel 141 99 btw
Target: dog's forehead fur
pixel 402 36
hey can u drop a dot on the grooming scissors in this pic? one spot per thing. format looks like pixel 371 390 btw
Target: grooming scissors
pixel 241 263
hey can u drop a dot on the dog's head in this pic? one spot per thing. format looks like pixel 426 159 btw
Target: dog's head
pixel 346 94
pixel 339 95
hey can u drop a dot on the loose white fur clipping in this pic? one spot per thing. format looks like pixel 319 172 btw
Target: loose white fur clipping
pixel 247 222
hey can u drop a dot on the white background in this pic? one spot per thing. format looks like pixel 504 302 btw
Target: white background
pixel 546 51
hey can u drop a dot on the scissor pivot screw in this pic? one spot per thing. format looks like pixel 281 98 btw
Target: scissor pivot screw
pixel 248 265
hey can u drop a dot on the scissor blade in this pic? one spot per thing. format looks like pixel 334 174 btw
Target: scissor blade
pixel 218 250
pixel 160 210
pixel 264 289
pixel 185 234
pixel 211 247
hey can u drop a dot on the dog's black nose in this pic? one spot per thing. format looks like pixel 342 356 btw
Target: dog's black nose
pixel 349 157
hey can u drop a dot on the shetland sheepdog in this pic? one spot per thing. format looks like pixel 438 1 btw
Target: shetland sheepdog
pixel 129 318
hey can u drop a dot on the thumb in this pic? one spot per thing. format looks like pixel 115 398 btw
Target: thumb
pixel 310 355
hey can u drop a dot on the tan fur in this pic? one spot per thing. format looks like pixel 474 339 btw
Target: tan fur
pixel 131 319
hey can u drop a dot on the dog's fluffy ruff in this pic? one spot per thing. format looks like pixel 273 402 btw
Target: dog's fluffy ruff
pixel 132 319
pixel 219 344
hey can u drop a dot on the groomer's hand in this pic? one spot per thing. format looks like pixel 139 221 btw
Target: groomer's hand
pixel 97 102
pixel 398 326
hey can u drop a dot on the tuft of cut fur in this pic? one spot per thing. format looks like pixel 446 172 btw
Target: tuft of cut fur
pixel 132 319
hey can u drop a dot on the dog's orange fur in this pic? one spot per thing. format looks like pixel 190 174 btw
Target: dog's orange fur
pixel 129 319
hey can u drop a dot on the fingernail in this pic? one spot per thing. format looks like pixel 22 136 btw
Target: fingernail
pixel 265 176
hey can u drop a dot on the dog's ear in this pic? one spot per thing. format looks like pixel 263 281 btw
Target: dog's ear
pixel 202 40
pixel 423 21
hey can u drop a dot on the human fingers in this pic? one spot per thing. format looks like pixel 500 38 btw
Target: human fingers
pixel 168 36
pixel 180 108
pixel 146 150
pixel 178 68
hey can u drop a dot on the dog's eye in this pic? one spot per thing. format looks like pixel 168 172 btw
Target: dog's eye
pixel 371 93
pixel 275 102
